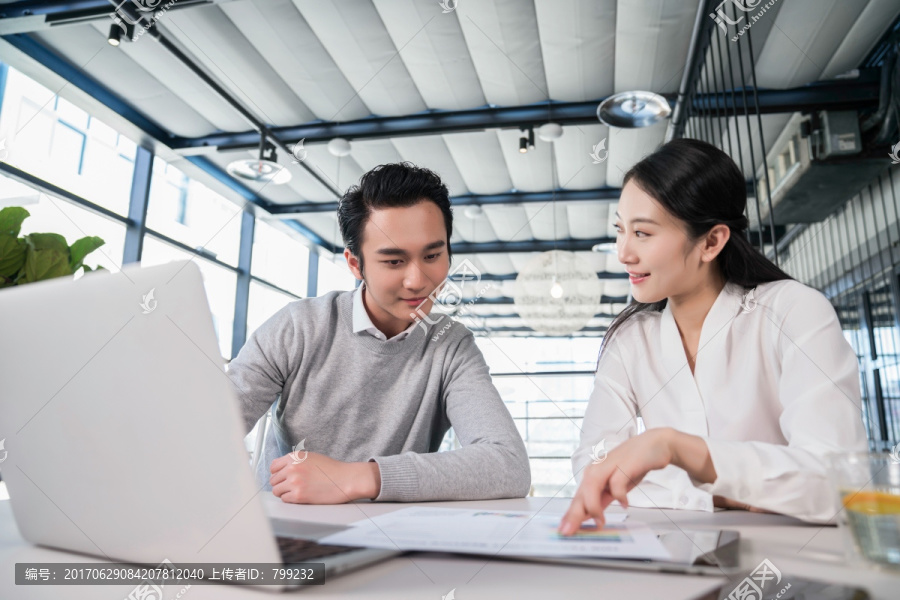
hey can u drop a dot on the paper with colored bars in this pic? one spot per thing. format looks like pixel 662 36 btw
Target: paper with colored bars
pixel 505 532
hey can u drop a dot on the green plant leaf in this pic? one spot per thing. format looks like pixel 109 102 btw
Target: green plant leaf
pixel 12 255
pixel 82 248
pixel 11 219
pixel 47 257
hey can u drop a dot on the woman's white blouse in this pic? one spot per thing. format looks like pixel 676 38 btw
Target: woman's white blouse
pixel 775 389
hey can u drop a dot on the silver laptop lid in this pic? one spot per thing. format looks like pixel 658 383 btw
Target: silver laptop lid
pixel 123 432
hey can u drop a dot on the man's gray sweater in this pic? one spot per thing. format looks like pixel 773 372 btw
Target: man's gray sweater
pixel 353 397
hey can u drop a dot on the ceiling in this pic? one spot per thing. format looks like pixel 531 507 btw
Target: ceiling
pixel 302 62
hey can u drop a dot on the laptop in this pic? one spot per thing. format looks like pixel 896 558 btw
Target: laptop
pixel 124 435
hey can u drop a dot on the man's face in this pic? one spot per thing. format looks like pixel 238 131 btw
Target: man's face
pixel 405 259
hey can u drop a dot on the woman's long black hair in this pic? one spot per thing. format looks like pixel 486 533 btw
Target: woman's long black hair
pixel 701 186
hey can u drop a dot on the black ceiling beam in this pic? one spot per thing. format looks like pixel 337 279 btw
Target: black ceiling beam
pixel 72 11
pixel 837 94
pixel 528 246
pixel 424 123
pixel 604 193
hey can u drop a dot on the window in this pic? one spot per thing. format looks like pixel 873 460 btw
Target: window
pixel 264 302
pixel 51 138
pixel 189 212
pixel 547 409
pixel 334 276
pixel 54 215
pixel 220 284
pixel 279 258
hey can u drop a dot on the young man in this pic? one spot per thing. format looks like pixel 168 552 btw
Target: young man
pixel 364 389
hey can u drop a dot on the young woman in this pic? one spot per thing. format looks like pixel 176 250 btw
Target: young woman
pixel 741 375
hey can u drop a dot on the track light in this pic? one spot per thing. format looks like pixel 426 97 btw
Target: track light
pixel 523 144
pixel 117 29
pixel 531 138
pixel 115 35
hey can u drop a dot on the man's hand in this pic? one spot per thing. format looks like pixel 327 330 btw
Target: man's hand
pixel 322 480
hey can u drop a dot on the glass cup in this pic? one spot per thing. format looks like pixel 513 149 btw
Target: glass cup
pixel 868 487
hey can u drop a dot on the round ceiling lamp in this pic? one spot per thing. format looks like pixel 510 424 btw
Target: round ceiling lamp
pixel 633 109
pixel 557 293
pixel 474 211
pixel 264 169
pixel 339 147
pixel 550 132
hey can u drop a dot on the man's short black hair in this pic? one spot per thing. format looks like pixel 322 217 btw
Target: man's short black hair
pixel 387 186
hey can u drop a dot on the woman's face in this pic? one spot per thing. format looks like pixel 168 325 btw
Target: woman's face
pixel 654 247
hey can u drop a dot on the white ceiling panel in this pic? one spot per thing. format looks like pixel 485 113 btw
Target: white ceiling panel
pixel 629 146
pixel 368 154
pixel 578 43
pixel 480 161
pixel 543 216
pixel 85 46
pixel 433 48
pixel 359 43
pixel 504 44
pixel 587 220
pixel 652 40
pixel 576 169
pixel 218 44
pixel 279 33
pixel 873 21
pixel 804 37
pixel 511 222
pixel 431 151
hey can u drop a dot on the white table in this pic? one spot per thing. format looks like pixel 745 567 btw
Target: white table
pixel 793 547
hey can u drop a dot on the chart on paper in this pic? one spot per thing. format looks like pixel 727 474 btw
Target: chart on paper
pixel 513 533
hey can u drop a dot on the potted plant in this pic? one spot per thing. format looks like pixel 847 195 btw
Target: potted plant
pixel 38 256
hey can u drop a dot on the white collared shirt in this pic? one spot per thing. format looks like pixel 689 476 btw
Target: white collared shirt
pixel 775 389
pixel 363 323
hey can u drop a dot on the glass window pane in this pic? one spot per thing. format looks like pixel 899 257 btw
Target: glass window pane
pixel 547 409
pixel 219 282
pixel 264 302
pixel 51 138
pixel 189 212
pixel 334 276
pixel 54 215
pixel 279 258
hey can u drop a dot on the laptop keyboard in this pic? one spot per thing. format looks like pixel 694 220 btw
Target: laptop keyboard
pixel 294 550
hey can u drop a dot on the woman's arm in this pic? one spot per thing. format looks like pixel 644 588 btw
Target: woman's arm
pixel 625 467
